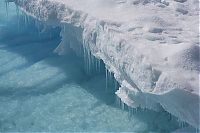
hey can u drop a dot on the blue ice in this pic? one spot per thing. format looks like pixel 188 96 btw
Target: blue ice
pixel 41 91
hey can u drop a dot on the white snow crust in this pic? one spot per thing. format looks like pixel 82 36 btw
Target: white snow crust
pixel 151 46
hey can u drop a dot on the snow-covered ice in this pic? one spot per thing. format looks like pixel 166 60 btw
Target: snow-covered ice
pixel 42 91
pixel 151 46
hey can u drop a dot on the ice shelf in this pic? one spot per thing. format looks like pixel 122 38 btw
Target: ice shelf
pixel 151 46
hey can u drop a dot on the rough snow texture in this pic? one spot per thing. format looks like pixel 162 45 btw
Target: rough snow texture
pixel 151 46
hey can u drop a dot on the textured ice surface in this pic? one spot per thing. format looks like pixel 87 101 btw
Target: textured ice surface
pixel 151 46
pixel 41 91
pixel 164 46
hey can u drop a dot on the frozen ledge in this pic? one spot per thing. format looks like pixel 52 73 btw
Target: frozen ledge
pixel 151 47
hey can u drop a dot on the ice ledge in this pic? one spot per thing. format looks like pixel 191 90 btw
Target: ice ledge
pixel 153 53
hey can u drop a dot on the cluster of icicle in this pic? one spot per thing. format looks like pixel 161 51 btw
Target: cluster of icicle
pixel 92 59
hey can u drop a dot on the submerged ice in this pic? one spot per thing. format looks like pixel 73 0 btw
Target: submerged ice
pixel 69 89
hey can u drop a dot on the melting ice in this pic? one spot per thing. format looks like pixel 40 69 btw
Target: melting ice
pixel 41 91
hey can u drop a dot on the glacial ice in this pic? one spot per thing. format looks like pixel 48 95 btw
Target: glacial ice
pixel 151 47
pixel 41 91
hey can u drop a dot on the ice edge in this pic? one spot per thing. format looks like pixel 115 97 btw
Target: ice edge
pixel 94 34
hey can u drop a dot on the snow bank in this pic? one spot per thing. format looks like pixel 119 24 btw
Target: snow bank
pixel 151 46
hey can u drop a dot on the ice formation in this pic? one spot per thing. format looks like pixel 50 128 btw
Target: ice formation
pixel 151 47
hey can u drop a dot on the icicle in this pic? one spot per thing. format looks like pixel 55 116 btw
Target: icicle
pixel 113 81
pixel 17 10
pixel 28 19
pixel 84 57
pixel 95 65
pixel 7 4
pixel 37 25
pixel 99 65
pixel 92 66
pixel 18 17
pixel 122 104
pixel 89 62
pixel 118 101
pixel 130 111
pixel 87 59
pixel 106 78
pixel 25 20
pixel 64 28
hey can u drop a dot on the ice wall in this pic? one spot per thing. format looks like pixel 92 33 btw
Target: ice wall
pixel 151 47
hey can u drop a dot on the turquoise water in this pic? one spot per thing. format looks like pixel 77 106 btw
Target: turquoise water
pixel 41 91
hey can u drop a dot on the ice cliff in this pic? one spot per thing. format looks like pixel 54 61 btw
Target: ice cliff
pixel 151 46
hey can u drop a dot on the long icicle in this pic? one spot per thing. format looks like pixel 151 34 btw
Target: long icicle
pixel 6 8
pixel 99 65
pixel 106 79
pixel 18 17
